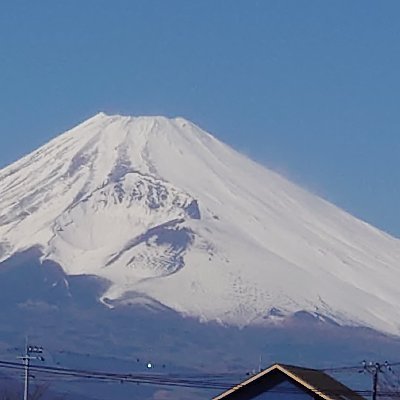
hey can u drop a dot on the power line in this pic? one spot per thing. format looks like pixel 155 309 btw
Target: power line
pixel 201 381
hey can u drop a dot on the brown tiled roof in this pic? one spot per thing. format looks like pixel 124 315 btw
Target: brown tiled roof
pixel 313 380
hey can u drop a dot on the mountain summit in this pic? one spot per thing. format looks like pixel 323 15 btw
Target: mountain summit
pixel 166 212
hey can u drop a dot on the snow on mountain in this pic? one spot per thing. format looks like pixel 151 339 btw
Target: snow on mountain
pixel 163 209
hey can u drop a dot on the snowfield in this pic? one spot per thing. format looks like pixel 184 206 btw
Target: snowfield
pixel 162 209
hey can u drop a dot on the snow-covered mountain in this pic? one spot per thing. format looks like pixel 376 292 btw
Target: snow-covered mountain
pixel 164 211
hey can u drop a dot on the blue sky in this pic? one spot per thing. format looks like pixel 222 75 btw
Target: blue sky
pixel 309 88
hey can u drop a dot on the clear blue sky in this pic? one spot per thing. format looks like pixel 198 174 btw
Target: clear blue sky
pixel 310 88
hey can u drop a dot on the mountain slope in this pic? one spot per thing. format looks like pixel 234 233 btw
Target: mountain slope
pixel 165 211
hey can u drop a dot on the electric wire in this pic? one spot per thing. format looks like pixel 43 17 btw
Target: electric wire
pixel 200 381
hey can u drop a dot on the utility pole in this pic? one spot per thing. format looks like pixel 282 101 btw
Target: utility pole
pixel 375 369
pixel 375 381
pixel 31 353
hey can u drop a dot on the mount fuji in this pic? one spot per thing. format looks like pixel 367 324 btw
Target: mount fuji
pixel 168 215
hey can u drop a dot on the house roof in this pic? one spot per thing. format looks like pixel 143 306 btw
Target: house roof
pixel 313 380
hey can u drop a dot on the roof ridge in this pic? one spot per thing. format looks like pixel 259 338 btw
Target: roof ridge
pixel 313 380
